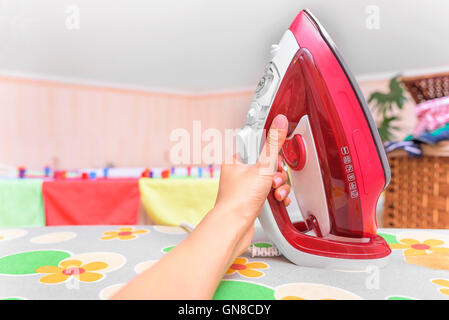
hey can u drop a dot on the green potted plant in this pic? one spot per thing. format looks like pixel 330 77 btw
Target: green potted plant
pixel 385 105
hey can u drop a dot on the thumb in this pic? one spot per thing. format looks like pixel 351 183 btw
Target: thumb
pixel 268 158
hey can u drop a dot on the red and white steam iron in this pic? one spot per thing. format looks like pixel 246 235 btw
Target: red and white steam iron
pixel 337 164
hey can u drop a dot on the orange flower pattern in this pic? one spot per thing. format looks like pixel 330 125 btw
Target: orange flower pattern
pixel 125 233
pixel 72 268
pixel 413 247
pixel 247 269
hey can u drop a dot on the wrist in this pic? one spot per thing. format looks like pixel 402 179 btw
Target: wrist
pixel 236 220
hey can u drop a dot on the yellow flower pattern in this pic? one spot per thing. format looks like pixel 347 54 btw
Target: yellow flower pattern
pixel 72 268
pixel 444 283
pixel 413 247
pixel 125 233
pixel 247 269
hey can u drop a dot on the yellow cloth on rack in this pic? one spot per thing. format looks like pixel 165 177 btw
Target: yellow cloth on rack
pixel 173 201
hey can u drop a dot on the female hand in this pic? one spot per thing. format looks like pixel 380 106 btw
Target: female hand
pixel 244 188
pixel 194 268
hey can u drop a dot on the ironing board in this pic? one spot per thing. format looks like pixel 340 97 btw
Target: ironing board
pixel 39 263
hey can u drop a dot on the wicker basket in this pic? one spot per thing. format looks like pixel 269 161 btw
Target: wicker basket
pixel 423 88
pixel 418 194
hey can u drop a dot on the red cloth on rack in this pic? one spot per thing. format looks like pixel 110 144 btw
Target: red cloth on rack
pixel 91 202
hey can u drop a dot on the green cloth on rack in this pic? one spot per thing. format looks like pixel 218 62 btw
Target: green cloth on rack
pixel 21 203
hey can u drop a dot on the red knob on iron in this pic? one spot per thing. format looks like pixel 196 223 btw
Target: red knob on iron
pixel 294 152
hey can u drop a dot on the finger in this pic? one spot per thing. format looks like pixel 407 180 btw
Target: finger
pixel 279 179
pixel 280 163
pixel 287 201
pixel 275 139
pixel 284 176
pixel 282 192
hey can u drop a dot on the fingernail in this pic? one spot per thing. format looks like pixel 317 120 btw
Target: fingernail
pixel 280 122
pixel 283 193
pixel 277 181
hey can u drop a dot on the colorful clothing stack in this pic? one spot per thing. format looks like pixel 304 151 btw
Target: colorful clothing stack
pixel 431 114
pixel 432 127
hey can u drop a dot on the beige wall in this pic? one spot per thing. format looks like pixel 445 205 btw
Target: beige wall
pixel 73 126
pixel 407 116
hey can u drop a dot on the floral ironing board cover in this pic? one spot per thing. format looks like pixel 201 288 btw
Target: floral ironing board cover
pixel 92 262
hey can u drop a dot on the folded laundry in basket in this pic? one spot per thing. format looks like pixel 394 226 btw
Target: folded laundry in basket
pixel 431 137
pixel 412 147
pixel 431 114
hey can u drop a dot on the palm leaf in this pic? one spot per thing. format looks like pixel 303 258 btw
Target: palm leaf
pixel 384 103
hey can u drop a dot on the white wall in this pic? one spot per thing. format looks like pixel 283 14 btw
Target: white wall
pixel 208 44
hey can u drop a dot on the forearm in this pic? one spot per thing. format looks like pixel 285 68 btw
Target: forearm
pixel 194 268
